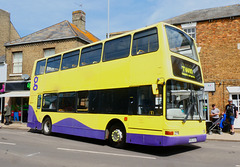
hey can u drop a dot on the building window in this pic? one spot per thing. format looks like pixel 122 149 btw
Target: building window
pixel 17 62
pixel 236 100
pixel 49 52
pixel 190 29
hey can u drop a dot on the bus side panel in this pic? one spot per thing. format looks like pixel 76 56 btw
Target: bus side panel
pixel 153 140
pixel 144 139
pixel 32 119
pixel 71 126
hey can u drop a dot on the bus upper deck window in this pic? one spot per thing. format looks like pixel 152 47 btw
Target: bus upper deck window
pixel 53 64
pixel 40 67
pixel 117 48
pixel 180 42
pixel 70 60
pixel 145 42
pixel 91 55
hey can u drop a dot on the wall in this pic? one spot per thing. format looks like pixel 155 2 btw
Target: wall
pixel 32 52
pixel 7 31
pixel 220 56
pixel 4 30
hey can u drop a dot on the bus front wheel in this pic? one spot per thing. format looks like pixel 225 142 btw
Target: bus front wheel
pixel 117 136
pixel 47 126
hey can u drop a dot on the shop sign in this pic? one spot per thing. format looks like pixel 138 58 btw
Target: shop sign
pixel 209 87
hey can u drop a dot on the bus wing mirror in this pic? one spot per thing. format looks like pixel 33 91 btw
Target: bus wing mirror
pixel 155 89
pixel 161 81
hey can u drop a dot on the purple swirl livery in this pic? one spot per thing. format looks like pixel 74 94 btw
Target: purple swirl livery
pixel 73 127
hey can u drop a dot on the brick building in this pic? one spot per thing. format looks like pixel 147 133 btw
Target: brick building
pixel 21 54
pixel 217 34
pixel 7 34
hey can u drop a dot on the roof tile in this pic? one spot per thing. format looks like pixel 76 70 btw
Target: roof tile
pixel 62 30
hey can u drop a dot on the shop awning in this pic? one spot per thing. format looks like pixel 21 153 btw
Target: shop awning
pixel 234 89
pixel 16 94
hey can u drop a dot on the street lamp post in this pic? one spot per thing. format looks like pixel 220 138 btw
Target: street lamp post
pixel 108 19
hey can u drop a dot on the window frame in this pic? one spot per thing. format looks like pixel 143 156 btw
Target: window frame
pixel 39 101
pixel 49 109
pixel 190 26
pixel 170 41
pixel 91 49
pixel 114 40
pixel 60 57
pixel 17 64
pixel 39 69
pixel 64 96
pixel 145 34
pixel 50 50
pixel 82 108
pixel 67 55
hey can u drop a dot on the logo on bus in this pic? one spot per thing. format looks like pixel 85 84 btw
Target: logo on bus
pixel 35 86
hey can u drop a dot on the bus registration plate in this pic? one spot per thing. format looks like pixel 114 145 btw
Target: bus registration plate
pixel 193 140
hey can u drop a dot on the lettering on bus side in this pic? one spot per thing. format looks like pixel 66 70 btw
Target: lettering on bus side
pixel 187 71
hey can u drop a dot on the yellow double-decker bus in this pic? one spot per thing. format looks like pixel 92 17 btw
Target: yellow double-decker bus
pixel 143 87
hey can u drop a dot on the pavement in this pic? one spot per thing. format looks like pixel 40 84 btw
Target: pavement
pixel 215 136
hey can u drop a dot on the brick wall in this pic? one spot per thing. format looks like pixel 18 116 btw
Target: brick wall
pixel 32 52
pixel 4 30
pixel 7 30
pixel 220 56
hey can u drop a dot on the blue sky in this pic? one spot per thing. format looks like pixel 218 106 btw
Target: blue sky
pixel 29 16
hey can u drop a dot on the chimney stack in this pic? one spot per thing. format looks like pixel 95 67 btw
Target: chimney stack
pixel 78 18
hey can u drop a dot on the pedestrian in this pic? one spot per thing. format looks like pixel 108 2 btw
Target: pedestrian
pixel 7 114
pixel 231 113
pixel 215 112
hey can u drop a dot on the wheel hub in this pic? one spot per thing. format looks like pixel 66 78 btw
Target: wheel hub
pixel 117 135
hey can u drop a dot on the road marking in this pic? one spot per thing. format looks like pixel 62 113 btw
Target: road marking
pixel 30 155
pixel 105 153
pixel 13 144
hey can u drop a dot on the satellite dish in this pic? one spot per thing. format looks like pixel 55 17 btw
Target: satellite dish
pixel 25 77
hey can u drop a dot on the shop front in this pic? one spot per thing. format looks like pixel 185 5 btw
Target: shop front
pixel 17 96
pixel 234 94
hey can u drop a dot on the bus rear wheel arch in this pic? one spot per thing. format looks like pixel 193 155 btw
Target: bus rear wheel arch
pixel 47 126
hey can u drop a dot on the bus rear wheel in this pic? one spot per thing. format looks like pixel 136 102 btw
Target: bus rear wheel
pixel 117 136
pixel 47 126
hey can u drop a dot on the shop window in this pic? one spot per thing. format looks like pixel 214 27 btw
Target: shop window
pixel 40 67
pixel 82 101
pixel 70 60
pixel 53 64
pixel 49 102
pixel 145 42
pixel 91 55
pixel 117 48
pixel 67 102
